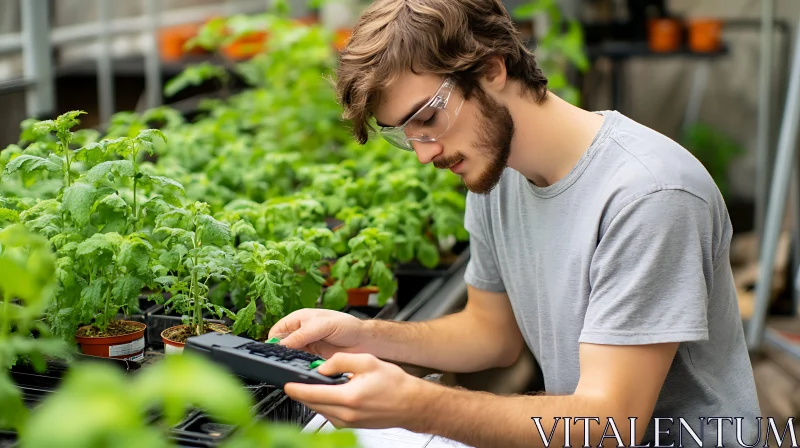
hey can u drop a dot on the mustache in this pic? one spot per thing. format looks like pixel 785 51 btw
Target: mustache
pixel 447 162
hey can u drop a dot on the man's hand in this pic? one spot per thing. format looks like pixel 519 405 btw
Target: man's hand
pixel 378 395
pixel 322 332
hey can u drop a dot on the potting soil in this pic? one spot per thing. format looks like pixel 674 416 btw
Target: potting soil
pixel 114 328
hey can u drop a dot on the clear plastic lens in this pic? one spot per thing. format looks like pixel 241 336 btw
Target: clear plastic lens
pixel 429 123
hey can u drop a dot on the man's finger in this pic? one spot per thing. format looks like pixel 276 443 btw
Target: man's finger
pixel 349 363
pixel 331 413
pixel 315 395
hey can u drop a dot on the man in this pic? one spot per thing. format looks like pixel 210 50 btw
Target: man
pixel 596 241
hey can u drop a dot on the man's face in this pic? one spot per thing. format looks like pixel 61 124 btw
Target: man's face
pixel 478 142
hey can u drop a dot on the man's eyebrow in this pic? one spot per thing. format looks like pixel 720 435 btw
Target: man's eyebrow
pixel 416 107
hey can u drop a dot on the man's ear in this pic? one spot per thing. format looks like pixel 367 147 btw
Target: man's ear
pixel 495 76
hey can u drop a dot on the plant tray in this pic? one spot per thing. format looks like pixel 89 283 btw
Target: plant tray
pixel 272 404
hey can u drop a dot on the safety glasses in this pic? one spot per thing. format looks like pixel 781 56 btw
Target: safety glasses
pixel 429 123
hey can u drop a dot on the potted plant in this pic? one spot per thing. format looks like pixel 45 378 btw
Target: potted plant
pixel 102 256
pixel 196 251
pixel 117 270
pixel 363 277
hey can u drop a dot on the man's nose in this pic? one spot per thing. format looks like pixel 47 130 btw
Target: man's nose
pixel 426 152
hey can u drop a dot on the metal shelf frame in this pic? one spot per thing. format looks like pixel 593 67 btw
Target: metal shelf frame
pixel 38 39
pixel 785 176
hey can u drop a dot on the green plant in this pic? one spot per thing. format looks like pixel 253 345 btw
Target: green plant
pixel 27 285
pixel 715 150
pixel 365 265
pixel 196 251
pixel 561 47
pixel 284 275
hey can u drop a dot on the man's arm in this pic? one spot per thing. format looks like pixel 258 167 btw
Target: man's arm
pixel 616 381
pixel 482 336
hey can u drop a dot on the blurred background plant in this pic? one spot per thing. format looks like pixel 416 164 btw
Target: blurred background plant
pixel 715 150
pixel 97 406
pixel 560 47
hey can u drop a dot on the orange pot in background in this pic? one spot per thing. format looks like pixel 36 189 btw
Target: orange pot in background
pixel 245 47
pixel 173 38
pixel 664 35
pixel 704 35
pixel 364 296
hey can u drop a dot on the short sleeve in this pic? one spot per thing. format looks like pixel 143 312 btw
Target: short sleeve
pixel 652 272
pixel 482 271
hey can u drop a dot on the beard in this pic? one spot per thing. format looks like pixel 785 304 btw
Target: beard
pixel 495 132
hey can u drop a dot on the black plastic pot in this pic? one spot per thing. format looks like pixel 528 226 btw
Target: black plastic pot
pixel 412 277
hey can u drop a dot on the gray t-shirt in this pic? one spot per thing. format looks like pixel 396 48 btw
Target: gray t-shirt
pixel 631 247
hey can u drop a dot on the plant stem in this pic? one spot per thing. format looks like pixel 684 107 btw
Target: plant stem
pixel 135 181
pixel 5 324
pixel 197 318
pixel 105 310
pixel 65 145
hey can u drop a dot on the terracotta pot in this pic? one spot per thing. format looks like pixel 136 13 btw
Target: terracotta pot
pixel 173 38
pixel 704 35
pixel 664 35
pixel 245 47
pixel 364 296
pixel 129 347
pixel 176 348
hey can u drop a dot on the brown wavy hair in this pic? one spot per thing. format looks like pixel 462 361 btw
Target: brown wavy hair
pixel 443 37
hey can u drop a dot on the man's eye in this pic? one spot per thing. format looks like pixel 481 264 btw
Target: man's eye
pixel 430 120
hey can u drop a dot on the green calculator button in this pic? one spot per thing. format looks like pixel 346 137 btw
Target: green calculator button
pixel 316 364
pixel 274 341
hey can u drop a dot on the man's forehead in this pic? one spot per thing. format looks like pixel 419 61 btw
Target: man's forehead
pixel 404 96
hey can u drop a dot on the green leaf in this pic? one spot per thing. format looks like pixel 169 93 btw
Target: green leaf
pixel 126 290
pixel 310 290
pixel 211 231
pixel 380 274
pixel 427 254
pixel 176 218
pixel 15 281
pixel 244 318
pixel 98 243
pixel 356 274
pixel 28 163
pixel 92 153
pixel 335 297
pixel 92 299
pixel 79 200
pixel 194 75
pixel 166 182
pixel 134 255
pixel 100 172
pixel 147 138
pixel 9 215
